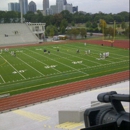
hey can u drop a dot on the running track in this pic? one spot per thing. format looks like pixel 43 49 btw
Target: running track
pixel 20 100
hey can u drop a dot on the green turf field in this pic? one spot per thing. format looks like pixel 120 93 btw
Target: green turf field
pixel 31 69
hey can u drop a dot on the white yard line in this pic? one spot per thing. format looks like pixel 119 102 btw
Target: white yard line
pixel 40 62
pixel 23 81
pixel 30 66
pixel 69 59
pixel 13 67
pixel 99 52
pixel 112 52
pixel 58 74
pixel 2 79
pixel 57 62
pixel 80 57
pixel 92 56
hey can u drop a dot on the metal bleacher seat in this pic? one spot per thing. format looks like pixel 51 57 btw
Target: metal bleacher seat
pixel 12 34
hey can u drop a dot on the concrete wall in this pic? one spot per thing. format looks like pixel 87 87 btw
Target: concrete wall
pixel 75 116
pixel 71 116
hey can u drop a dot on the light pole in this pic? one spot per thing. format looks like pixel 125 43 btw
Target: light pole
pixel 21 9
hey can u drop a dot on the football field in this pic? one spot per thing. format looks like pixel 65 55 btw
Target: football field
pixel 30 68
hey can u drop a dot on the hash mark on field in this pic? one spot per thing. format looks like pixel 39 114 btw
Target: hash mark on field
pixel 2 79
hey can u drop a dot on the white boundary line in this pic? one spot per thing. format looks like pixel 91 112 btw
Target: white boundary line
pixel 13 67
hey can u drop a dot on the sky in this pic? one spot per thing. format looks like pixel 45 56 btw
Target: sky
pixel 89 6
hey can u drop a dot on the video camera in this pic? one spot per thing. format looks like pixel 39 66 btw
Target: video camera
pixel 110 116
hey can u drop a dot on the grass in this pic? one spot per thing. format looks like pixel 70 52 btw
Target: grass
pixel 31 69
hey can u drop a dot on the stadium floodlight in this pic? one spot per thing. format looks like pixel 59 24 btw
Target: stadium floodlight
pixel 21 9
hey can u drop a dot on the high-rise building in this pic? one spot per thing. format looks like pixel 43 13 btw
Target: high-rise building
pixel 32 6
pixel 45 4
pixel 65 2
pixel 49 11
pixel 75 9
pixel 68 7
pixel 10 6
pixel 54 9
pixel 14 7
pixel 59 4
pixel 24 6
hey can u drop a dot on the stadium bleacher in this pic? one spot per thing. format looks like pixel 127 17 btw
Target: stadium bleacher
pixel 12 34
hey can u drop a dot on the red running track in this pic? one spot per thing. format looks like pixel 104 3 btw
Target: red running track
pixel 20 100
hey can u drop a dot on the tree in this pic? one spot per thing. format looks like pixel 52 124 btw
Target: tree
pixel 58 18
pixel 127 32
pixel 50 29
pixel 62 30
pixel 94 25
pixel 66 15
pixel 83 32
pixel 88 24
pixel 73 31
pixel 111 32
pixel 123 25
pixel 73 23
pixel 102 24
pixel 64 23
pixel 118 25
pixel 52 32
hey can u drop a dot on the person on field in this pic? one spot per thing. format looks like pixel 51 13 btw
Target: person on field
pixel 45 51
pixel 14 54
pixel 100 55
pixel 78 51
pixel 49 52
pixel 88 51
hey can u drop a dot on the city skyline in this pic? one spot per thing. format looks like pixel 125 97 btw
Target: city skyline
pixel 90 6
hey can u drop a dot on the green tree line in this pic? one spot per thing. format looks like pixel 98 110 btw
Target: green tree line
pixel 57 18
pixel 57 24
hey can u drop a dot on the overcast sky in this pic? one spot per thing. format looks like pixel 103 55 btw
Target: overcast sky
pixel 90 6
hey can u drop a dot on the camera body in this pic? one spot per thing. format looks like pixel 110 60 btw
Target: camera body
pixel 111 116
